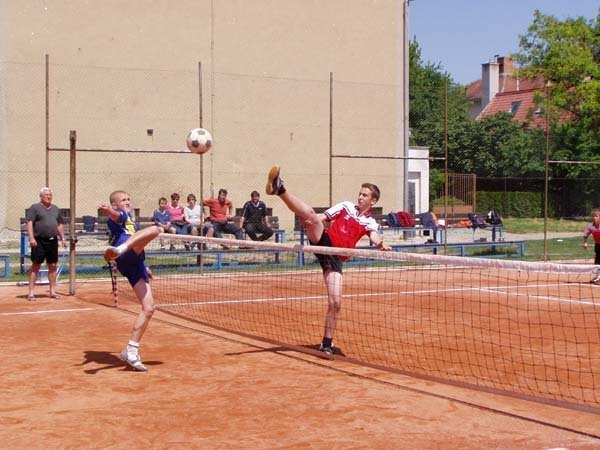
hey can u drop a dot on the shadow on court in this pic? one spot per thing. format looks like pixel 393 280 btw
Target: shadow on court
pixel 110 361
pixel 315 348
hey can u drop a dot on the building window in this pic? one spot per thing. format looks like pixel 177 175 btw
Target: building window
pixel 514 106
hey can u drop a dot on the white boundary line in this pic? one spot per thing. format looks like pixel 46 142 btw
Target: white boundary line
pixel 45 311
pixel 491 289
pixel 541 297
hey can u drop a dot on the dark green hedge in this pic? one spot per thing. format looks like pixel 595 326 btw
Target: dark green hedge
pixel 511 204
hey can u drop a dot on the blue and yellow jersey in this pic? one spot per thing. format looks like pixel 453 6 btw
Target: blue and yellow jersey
pixel 121 229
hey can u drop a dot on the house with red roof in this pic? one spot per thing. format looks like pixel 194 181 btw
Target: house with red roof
pixel 500 90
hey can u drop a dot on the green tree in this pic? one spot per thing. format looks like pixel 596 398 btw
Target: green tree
pixel 493 147
pixel 567 55
pixel 426 93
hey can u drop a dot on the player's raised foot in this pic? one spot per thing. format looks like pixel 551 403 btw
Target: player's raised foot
pixel 133 360
pixel 596 280
pixel 327 351
pixel 111 253
pixel 274 182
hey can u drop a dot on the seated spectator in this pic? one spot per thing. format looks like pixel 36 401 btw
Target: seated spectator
pixel 430 221
pixel 192 214
pixel 162 218
pixel 220 209
pixel 254 218
pixel 177 217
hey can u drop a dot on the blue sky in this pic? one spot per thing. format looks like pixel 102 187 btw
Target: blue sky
pixel 461 34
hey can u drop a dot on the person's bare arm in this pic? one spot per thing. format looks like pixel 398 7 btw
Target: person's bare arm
pixel 322 217
pixel 377 240
pixel 109 211
pixel 61 233
pixel 32 241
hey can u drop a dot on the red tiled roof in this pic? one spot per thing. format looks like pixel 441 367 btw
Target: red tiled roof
pixel 511 83
pixel 474 90
pixel 524 112
pixel 507 83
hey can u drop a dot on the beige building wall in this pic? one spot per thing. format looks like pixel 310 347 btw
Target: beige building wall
pixel 118 69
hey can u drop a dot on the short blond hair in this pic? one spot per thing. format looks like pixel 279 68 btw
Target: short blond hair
pixel 114 194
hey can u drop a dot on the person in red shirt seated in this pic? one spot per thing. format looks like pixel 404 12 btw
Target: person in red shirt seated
pixel 348 222
pixel 220 216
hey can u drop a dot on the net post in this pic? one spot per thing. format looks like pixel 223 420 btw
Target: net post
pixel 446 221
pixel 546 166
pixel 200 122
pixel 72 204
pixel 47 120
pixel 330 138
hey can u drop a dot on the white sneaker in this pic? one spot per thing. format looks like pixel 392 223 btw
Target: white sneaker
pixel 134 361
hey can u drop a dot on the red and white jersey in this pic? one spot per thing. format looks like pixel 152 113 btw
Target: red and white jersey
pixel 347 225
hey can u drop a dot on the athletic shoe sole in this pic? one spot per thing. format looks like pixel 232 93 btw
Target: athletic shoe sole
pixel 273 174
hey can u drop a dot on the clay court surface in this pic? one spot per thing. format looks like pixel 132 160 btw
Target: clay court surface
pixel 63 386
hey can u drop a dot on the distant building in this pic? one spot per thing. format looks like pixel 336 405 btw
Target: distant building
pixel 499 90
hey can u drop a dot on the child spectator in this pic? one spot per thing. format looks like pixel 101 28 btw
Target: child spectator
pixel 177 218
pixel 162 218
pixel 192 214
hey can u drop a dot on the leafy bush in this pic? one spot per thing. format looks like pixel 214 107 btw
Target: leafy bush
pixel 512 204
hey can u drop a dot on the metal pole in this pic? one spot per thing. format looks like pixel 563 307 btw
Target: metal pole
pixel 474 192
pixel 446 166
pixel 72 209
pixel 546 166
pixel 47 168
pixel 200 122
pixel 330 138
pixel 406 106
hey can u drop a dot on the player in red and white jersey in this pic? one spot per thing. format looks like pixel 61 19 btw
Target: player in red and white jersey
pixel 594 229
pixel 348 222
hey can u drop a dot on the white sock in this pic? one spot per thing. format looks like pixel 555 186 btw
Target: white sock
pixel 133 348
pixel 122 249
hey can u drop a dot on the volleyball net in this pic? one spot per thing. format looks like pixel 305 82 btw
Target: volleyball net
pixel 524 328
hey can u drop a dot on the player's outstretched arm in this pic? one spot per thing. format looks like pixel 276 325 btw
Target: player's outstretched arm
pixel 109 211
pixel 377 240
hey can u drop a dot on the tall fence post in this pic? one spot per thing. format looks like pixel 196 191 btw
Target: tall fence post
pixel 47 168
pixel 72 212
pixel 201 123
pixel 330 138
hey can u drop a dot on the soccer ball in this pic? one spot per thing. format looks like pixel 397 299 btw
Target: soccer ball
pixel 199 141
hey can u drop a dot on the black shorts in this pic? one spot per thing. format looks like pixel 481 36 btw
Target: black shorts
pixel 329 263
pixel 46 249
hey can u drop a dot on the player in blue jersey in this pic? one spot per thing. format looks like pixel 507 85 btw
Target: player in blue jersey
pixel 127 249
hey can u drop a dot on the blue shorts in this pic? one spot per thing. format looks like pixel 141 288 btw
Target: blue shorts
pixel 131 265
